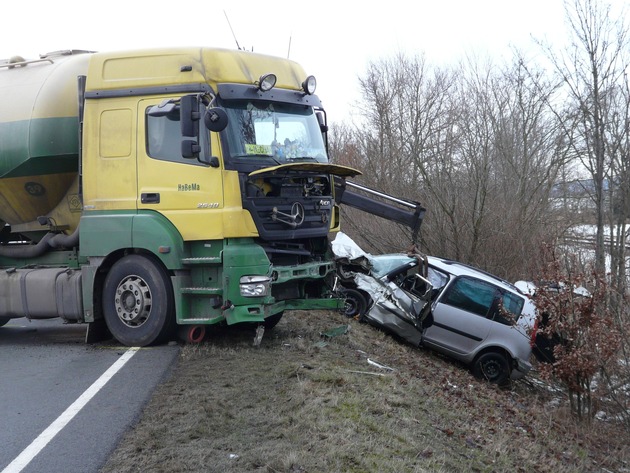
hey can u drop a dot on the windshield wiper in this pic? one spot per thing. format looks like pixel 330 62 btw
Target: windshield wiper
pixel 257 156
pixel 302 158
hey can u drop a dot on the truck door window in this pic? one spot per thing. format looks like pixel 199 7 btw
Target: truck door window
pixel 164 138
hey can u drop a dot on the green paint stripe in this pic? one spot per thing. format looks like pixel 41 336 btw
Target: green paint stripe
pixel 39 146
pixel 45 166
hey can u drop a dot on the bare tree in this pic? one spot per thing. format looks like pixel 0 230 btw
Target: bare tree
pixel 403 103
pixel 473 144
pixel 529 155
pixel 590 69
pixel 619 189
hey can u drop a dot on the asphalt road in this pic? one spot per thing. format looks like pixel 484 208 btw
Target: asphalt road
pixel 45 366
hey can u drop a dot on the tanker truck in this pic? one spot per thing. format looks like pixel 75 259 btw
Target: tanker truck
pixel 161 191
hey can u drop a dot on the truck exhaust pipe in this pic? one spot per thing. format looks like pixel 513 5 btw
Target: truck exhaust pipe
pixel 48 242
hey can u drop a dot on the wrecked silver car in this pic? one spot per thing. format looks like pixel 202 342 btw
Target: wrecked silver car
pixel 450 307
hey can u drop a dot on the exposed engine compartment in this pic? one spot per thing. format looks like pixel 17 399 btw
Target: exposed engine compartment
pixel 289 206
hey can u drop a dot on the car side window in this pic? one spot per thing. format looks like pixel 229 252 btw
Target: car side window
pixel 438 278
pixel 509 310
pixel 471 295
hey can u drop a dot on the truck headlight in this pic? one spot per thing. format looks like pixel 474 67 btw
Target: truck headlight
pixel 255 286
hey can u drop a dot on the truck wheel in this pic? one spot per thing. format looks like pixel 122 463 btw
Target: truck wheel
pixel 4 320
pixel 138 301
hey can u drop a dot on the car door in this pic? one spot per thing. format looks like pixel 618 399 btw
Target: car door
pixel 460 316
pixel 400 301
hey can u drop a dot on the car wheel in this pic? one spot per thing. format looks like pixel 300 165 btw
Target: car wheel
pixel 138 302
pixel 4 320
pixel 355 303
pixel 492 366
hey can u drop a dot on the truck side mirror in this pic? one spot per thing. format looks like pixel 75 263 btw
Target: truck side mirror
pixel 321 119
pixel 189 116
pixel 190 149
pixel 215 119
pixel 323 126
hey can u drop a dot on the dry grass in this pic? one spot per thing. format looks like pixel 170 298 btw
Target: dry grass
pixel 304 403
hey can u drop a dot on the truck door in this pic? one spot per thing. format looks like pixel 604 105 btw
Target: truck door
pixel 186 191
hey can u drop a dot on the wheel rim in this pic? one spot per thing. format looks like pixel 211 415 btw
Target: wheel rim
pixel 350 306
pixel 133 301
pixel 491 369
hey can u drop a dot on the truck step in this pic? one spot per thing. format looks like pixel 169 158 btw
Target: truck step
pixel 202 260
pixel 202 291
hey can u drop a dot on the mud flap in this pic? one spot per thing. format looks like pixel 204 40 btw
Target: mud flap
pixel 97 331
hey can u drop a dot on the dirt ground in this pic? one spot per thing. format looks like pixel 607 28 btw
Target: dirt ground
pixel 355 400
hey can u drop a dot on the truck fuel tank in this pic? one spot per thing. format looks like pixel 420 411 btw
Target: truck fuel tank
pixel 41 293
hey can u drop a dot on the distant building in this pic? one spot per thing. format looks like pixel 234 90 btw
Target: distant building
pixel 577 196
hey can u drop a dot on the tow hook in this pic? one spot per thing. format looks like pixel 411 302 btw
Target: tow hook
pixel 260 331
pixel 192 333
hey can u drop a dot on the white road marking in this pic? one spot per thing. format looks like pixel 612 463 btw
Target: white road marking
pixel 53 429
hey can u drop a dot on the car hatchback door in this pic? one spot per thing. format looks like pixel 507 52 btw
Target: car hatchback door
pixel 460 315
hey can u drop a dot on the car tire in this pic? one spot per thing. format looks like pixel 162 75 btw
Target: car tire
pixel 4 320
pixel 493 367
pixel 355 303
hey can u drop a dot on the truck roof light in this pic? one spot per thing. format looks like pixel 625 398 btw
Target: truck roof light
pixel 309 85
pixel 266 82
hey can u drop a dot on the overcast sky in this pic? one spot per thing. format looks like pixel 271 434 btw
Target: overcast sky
pixel 332 40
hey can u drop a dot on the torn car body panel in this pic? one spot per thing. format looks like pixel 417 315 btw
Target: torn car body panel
pixel 394 309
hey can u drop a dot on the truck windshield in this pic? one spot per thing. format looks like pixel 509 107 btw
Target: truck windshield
pixel 278 132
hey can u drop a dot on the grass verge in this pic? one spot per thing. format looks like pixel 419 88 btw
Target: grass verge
pixel 303 402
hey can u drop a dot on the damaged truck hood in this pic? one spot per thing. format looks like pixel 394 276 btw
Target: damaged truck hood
pixel 335 169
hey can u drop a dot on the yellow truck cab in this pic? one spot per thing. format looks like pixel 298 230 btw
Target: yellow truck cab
pixel 190 187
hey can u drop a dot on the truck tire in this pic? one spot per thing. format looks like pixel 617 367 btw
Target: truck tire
pixel 4 320
pixel 138 302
